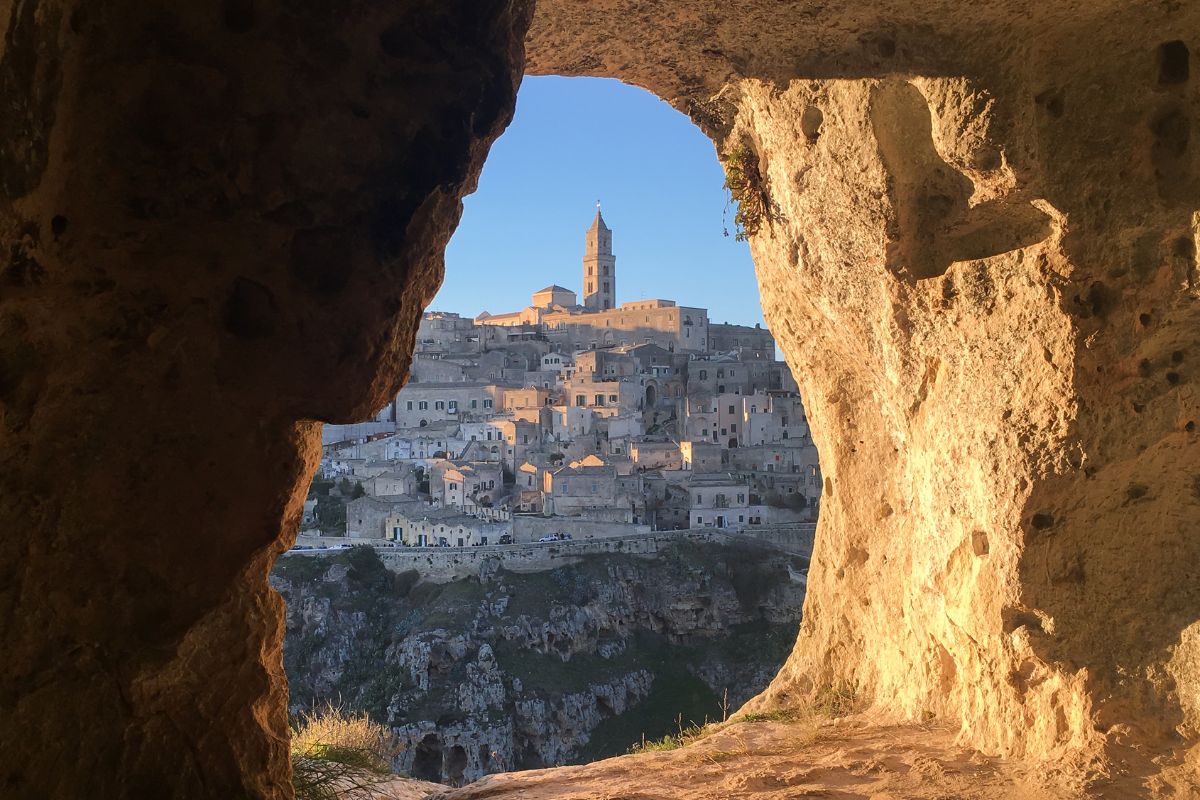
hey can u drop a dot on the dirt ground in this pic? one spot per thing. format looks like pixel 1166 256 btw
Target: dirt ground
pixel 852 759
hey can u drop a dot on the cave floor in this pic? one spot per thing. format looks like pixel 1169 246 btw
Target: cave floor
pixel 849 758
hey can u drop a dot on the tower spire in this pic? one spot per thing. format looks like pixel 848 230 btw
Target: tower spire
pixel 599 266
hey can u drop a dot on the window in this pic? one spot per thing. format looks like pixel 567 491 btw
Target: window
pixel 580 400
pixel 599 399
pixel 438 405
pixel 785 434
pixel 720 373
pixel 474 403
pixel 741 498
pixel 487 403
pixel 595 487
pixel 410 405
pixel 612 398
pixel 423 405
pixel 733 427
pixel 703 374
pixel 699 499
pixel 731 411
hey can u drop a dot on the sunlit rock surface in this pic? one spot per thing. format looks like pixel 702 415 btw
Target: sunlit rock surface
pixel 978 255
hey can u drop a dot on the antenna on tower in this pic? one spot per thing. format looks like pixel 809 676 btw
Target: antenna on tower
pixel 597 205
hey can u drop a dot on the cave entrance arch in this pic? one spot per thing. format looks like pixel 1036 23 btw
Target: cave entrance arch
pixel 975 370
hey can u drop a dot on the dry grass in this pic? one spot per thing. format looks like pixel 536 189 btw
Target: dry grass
pixel 335 753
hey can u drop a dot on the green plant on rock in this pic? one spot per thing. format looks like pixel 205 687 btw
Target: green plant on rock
pixel 745 184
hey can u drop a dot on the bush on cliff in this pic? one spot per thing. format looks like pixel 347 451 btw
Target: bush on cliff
pixel 334 752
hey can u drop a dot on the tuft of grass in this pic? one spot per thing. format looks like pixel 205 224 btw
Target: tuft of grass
pixel 777 715
pixel 684 735
pixel 836 701
pixel 334 752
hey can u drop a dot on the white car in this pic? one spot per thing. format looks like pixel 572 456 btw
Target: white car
pixel 548 538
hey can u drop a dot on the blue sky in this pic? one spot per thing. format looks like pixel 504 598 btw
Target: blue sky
pixel 578 140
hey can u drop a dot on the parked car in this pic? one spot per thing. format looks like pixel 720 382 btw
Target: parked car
pixel 505 539
pixel 550 537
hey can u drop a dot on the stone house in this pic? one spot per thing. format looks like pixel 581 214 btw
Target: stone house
pixel 366 517
pixel 436 527
pixel 398 481
pixel 655 455
pixel 420 404
pixel 568 491
pixel 701 456
pixel 719 501
pixel 462 485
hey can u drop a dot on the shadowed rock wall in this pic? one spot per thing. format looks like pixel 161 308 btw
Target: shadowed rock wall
pixel 979 257
pixel 218 220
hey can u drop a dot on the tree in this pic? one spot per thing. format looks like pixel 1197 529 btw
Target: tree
pixel 344 487
pixel 359 491
pixel 331 516
pixel 797 502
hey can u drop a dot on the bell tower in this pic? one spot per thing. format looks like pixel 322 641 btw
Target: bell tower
pixel 599 267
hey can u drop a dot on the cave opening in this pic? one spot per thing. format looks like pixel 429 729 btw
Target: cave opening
pixel 427 759
pixel 608 384
pixel 226 279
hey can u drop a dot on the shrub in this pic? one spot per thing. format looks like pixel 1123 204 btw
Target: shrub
pixel 334 752
pixel 745 185
pixel 797 502
pixel 331 516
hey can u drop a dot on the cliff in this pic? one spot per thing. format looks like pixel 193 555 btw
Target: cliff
pixel 509 670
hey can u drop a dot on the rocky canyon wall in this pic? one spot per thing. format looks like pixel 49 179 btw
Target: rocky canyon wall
pixel 511 670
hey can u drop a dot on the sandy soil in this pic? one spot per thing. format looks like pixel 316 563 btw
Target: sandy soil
pixel 851 759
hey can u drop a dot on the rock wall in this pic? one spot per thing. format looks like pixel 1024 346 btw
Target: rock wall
pixel 444 564
pixel 517 670
pixel 977 251
pixel 218 222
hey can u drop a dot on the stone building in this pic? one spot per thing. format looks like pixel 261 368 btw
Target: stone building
pixel 599 267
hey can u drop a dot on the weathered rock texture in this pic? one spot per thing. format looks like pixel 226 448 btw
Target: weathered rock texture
pixel 979 257
pixel 524 670
pixel 218 221
pixel 980 260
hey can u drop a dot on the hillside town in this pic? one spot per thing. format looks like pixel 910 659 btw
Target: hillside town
pixel 574 420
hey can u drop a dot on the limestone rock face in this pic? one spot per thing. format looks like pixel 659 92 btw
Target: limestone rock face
pixel 978 253
pixel 522 671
